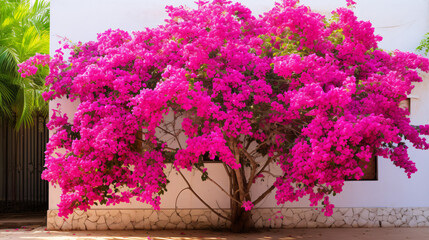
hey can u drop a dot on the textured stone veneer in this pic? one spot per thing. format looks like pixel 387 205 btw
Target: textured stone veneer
pixel 264 218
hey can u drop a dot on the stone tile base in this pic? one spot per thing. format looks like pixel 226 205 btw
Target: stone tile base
pixel 263 218
pixel 136 219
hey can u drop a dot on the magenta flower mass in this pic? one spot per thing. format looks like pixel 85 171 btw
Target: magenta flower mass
pixel 314 95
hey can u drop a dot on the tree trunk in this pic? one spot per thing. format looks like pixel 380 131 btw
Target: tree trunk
pixel 138 144
pixel 241 220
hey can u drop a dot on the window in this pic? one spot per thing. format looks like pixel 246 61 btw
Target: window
pixel 370 172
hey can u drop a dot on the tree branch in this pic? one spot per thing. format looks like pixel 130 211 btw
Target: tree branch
pixel 226 169
pixel 221 188
pixel 271 174
pixel 176 135
pixel 237 172
pixel 270 159
pixel 262 144
pixel 248 143
pixel 199 198
pixel 177 197
pixel 253 171
pixel 263 195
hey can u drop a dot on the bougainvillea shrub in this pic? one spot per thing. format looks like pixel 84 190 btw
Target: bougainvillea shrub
pixel 312 94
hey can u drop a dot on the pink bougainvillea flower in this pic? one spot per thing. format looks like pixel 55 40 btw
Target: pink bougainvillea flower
pixel 315 96
pixel 247 205
pixel 350 2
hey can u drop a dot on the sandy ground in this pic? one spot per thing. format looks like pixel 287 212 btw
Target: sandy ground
pixel 280 234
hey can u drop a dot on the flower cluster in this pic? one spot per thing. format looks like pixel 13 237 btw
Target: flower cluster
pixel 350 3
pixel 29 67
pixel 248 205
pixel 315 95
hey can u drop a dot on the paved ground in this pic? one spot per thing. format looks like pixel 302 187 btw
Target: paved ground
pixel 39 233
pixel 16 220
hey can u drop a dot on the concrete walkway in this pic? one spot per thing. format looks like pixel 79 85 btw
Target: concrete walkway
pixel 278 234
pixel 17 220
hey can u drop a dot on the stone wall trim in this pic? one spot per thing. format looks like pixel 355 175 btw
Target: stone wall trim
pixel 147 219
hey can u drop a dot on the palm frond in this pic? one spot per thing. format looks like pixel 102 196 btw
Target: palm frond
pixel 6 97
pixel 24 31
pixel 8 61
pixel 40 15
pixel 6 90
pixel 24 105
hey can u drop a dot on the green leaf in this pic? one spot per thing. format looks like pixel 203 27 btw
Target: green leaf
pixel 204 176
pixel 24 31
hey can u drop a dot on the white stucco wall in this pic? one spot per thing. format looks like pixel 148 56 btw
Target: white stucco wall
pixel 402 24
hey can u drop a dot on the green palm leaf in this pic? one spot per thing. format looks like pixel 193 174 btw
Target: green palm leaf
pixel 6 97
pixel 24 31
pixel 24 107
